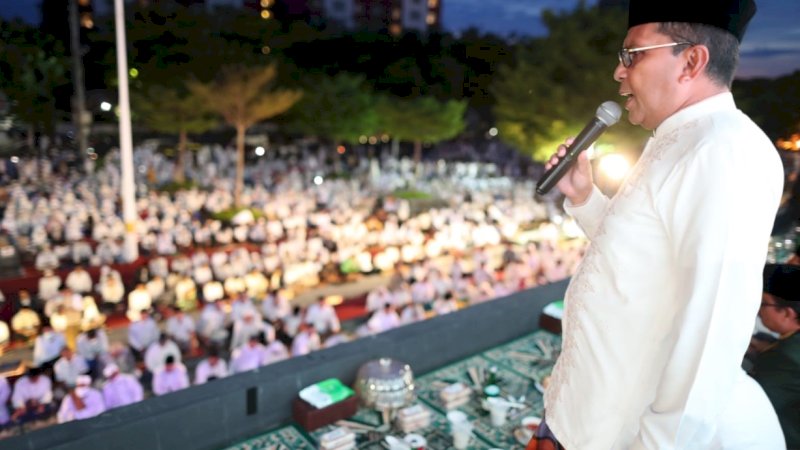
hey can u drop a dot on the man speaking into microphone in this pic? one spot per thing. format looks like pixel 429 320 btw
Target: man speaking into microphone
pixel 660 312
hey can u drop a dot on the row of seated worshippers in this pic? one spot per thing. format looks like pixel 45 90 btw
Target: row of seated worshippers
pixel 470 277
pixel 292 219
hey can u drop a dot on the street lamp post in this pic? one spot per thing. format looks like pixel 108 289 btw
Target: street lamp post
pixel 79 99
pixel 130 250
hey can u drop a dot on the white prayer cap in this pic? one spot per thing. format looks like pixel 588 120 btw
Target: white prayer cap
pixel 83 380
pixel 110 370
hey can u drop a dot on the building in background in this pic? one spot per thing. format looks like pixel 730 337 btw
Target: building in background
pixel 393 16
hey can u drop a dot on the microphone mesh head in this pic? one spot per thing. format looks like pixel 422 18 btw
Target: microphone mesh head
pixel 609 113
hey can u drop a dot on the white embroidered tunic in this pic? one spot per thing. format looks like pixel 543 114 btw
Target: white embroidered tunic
pixel 659 314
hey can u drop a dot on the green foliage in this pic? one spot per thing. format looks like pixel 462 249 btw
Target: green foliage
pixel 338 108
pixel 175 186
pixel 422 119
pixel 244 96
pixel 171 111
pixel 32 67
pixel 772 104
pixel 411 194
pixel 559 80
pixel 228 214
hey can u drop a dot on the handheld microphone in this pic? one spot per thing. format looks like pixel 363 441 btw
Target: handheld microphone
pixel 607 114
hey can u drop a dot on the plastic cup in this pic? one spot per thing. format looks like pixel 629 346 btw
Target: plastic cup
pixel 498 412
pixel 462 432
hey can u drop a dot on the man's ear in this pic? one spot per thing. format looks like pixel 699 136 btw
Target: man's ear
pixel 695 61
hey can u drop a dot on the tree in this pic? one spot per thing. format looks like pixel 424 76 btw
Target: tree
pixel 559 80
pixel 338 108
pixel 772 104
pixel 32 67
pixel 171 111
pixel 421 120
pixel 243 96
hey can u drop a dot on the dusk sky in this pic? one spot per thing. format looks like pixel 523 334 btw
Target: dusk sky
pixel 770 48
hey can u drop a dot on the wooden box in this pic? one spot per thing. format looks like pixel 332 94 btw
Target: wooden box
pixel 311 418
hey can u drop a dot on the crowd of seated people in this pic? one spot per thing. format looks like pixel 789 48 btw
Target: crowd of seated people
pixel 213 298
pixel 239 332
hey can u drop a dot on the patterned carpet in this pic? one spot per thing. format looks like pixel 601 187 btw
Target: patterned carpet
pixel 520 365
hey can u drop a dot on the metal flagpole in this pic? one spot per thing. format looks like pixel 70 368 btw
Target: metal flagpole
pixel 130 250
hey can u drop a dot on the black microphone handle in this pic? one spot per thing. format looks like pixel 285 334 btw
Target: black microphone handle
pixel 584 139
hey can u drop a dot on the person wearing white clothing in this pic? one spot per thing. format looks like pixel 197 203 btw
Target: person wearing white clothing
pixel 275 306
pixel 660 312
pixel 323 317
pixel 275 351
pixel 32 395
pixel 142 333
pixel 82 402
pixel 211 368
pixel 160 350
pixel 181 328
pixel 248 356
pixel 120 389
pixel 384 319
pixel 306 341
pixel 47 346
pixel 69 367
pixel 211 325
pixel 171 377
pixel 5 394
pixel 79 280
pixel 251 324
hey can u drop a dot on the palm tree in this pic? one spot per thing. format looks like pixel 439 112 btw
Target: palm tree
pixel 244 96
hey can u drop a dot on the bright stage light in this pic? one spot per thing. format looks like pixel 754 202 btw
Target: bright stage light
pixel 614 166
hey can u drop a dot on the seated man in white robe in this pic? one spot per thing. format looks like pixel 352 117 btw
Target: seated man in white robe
pixel 139 300
pixel 275 306
pixel 82 402
pixel 323 317
pixel 142 333
pixel 5 395
pixel 211 325
pixel 181 328
pixel 69 367
pixel 49 285
pixel 384 319
pixel 306 341
pixel 32 396
pixel 120 389
pixel 47 346
pixel 211 368
pixel 248 356
pixel 250 324
pixel 158 351
pixel 92 345
pixel 171 377
pixel 79 281
pixel 275 351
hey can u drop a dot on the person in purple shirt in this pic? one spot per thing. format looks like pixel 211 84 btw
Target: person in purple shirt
pixel 121 388
pixel 172 377
pixel 82 402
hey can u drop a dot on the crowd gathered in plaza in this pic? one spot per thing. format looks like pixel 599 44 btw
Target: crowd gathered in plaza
pixel 213 297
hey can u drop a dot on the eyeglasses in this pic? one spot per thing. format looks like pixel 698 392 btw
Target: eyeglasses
pixel 769 305
pixel 626 54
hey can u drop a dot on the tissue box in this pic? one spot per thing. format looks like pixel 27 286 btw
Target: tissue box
pixel 311 418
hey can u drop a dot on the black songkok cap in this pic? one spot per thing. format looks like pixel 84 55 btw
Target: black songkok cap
pixel 782 281
pixel 730 15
